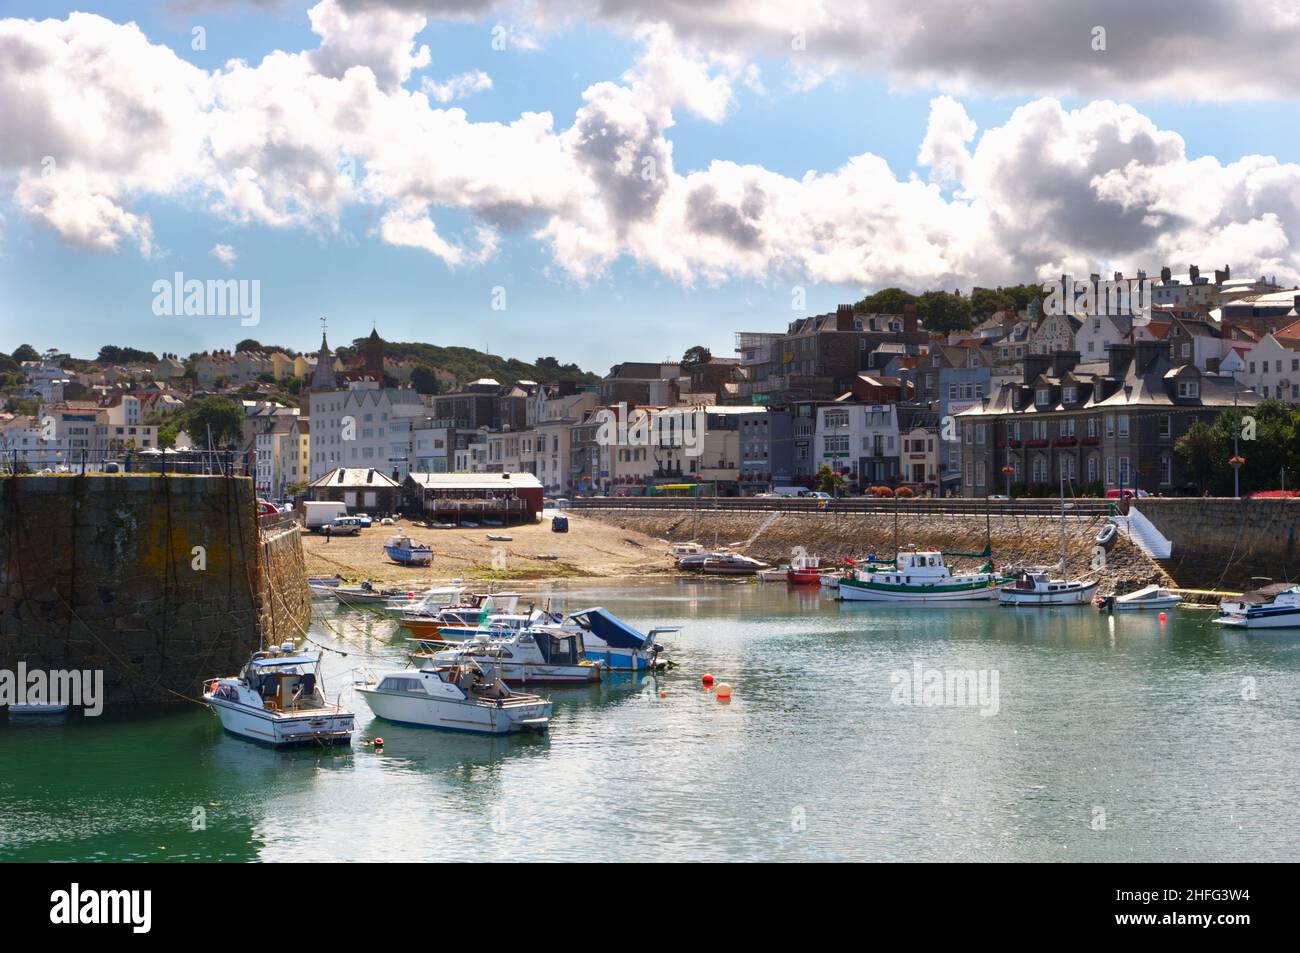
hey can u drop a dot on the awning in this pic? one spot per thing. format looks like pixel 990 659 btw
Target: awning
pixel 612 630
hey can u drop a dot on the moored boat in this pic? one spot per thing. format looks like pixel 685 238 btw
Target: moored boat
pixel 363 595
pixel 617 645
pixel 1036 587
pixel 732 564
pixel 279 699
pixel 519 656
pixel 407 552
pixel 462 696
pixel 1148 597
pixel 805 571
pixel 1273 607
pixel 919 576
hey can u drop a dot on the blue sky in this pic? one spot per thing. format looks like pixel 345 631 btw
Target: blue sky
pixel 57 292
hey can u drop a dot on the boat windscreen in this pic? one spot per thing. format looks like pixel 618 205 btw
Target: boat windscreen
pixel 284 660
pixel 612 630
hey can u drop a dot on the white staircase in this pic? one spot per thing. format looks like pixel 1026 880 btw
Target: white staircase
pixel 1143 533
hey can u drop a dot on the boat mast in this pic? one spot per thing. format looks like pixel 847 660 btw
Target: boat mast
pixel 1062 524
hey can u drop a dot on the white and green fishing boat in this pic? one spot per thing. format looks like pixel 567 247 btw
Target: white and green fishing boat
pixel 920 576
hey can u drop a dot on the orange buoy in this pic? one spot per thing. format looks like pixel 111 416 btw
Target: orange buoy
pixel 723 690
pixel 707 679
pixel 378 742
pixel 663 694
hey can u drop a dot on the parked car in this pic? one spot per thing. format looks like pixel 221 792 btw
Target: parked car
pixel 386 521
pixel 365 520
pixel 345 526
pixel 1127 494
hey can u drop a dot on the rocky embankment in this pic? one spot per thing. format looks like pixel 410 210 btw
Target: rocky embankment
pixel 1017 540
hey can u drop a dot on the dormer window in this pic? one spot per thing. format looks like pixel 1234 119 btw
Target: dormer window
pixel 1043 397
pixel 1070 395
pixel 1190 388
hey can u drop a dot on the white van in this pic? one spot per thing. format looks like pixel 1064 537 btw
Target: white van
pixel 320 512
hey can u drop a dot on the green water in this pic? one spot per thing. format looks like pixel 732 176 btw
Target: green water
pixel 812 759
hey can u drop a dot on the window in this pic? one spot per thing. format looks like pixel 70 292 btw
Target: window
pixel 1189 388
pixel 1110 425
pixel 1092 426
pixel 1067 428
pixel 1166 423
pixel 1123 425
pixel 1092 469
pixel 1123 471
pixel 979 434
pixel 1187 349
pixel 1070 395
pixel 1043 396
pixel 1110 471
pixel 1166 471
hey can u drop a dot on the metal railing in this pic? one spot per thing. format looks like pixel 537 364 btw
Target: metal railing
pixel 84 461
pixel 919 506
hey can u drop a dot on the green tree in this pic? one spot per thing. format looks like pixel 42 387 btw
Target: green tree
pixel 425 380
pixel 1198 446
pixel 25 352
pixel 699 354
pixel 944 312
pixel 248 344
pixel 829 481
pixel 885 301
pixel 223 414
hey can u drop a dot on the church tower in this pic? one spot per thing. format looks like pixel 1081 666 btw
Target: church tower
pixel 374 366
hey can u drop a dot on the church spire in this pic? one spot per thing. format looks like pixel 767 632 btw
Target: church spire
pixel 323 378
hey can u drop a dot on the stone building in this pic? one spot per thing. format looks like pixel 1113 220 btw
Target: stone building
pixel 1112 424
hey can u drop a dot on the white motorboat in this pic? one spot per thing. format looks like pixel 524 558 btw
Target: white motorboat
pixel 1148 597
pixel 1036 587
pixel 523 656
pixel 427 600
pixel 919 576
pixel 279 699
pixel 776 574
pixel 323 585
pixel 732 564
pixel 1273 607
pixel 460 697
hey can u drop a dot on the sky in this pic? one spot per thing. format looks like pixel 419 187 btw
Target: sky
pixel 601 180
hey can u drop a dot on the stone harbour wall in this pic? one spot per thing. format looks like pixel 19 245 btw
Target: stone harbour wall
pixel 1236 544
pixel 160 581
pixel 1017 540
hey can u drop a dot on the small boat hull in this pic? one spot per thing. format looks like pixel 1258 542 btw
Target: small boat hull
pixel 1262 618
pixel 483 719
pixel 854 590
pixel 1075 595
pixel 324 727
pixel 804 577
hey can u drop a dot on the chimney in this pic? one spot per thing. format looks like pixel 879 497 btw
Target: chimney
pixel 1193 272
pixel 1166 275
pixel 844 317
pixel 1147 353
pixel 909 319
pixel 1063 362
pixel 1121 355
pixel 1036 364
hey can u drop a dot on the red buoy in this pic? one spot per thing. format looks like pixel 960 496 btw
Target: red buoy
pixel 1162 617
pixel 707 679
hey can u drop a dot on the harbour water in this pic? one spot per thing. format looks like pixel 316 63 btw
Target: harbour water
pixel 1113 739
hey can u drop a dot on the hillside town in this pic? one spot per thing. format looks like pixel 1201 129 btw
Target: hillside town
pixel 1020 401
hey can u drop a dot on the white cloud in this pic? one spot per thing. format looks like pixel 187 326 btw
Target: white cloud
pixel 224 254
pixel 293 141
pixel 458 86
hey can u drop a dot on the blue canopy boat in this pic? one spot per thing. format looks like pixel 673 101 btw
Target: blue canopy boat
pixel 607 638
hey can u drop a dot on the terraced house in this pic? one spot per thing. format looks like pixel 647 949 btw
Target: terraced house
pixel 1111 425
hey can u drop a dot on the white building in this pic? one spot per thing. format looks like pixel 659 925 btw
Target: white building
pixel 1272 370
pixel 355 427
